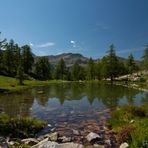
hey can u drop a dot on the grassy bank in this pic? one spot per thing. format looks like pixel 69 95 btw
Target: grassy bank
pixel 9 84
pixel 131 125
pixel 20 127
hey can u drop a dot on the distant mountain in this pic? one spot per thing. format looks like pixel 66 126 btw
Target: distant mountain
pixel 72 58
pixel 69 58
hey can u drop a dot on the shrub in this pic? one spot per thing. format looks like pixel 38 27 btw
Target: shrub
pixel 20 127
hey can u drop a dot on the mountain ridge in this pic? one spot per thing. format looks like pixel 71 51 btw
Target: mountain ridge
pixel 72 58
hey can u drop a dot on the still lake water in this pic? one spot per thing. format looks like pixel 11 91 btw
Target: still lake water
pixel 67 106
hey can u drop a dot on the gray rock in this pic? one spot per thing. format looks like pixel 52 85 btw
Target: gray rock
pixel 53 136
pixel 50 144
pixel 124 145
pixel 3 142
pixel 49 125
pixel 53 129
pixel 76 132
pixel 40 143
pixel 11 143
pixel 29 141
pixel 64 139
pixel 40 138
pixel 108 142
pixel 92 136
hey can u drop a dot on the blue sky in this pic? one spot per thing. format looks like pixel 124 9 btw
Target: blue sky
pixel 79 26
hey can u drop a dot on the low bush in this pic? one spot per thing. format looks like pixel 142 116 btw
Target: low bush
pixel 22 127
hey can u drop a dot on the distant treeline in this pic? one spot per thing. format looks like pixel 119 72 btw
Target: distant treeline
pixel 19 62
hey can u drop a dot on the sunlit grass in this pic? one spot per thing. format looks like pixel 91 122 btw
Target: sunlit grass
pixel 11 84
pixel 131 124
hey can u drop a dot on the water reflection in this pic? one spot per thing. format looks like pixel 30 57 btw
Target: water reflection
pixel 42 101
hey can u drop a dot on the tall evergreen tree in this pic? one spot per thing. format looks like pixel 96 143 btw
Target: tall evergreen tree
pixel 60 70
pixel 2 46
pixel 28 59
pixel 110 64
pixel 43 69
pixel 77 72
pixel 20 74
pixel 17 57
pixel 130 64
pixel 8 58
pixel 98 69
pixel 145 57
pixel 90 69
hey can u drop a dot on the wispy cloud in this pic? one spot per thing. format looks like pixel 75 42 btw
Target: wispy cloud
pixel 73 43
pixel 43 45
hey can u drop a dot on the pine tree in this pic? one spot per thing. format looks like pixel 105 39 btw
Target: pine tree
pixel 28 59
pixel 110 67
pixel 20 74
pixel 90 69
pixel 60 70
pixel 8 58
pixel 43 69
pixel 130 64
pixel 145 57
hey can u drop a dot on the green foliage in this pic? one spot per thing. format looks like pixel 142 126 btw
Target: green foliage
pixel 60 70
pixel 28 59
pixel 131 124
pixel 145 57
pixel 20 127
pixel 130 64
pixel 20 74
pixel 43 69
pixel 90 70
pixel 111 67
pixel 77 72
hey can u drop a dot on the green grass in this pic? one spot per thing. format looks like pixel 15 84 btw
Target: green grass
pixel 11 84
pixel 131 124
pixel 20 127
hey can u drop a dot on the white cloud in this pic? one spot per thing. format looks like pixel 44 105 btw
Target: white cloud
pixel 31 44
pixel 44 45
pixel 73 43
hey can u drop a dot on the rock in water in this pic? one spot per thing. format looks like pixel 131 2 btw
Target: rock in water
pixel 92 137
pixel 124 145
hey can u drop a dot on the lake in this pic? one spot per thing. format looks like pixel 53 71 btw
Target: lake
pixel 71 108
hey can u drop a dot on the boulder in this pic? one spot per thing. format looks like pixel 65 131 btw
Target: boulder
pixel 30 141
pixel 50 144
pixel 76 132
pixel 64 139
pixel 3 142
pixel 92 137
pixel 124 145
pixel 53 136
pixel 40 143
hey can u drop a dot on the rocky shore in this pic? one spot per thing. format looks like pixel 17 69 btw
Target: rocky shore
pixel 88 133
pixel 54 140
